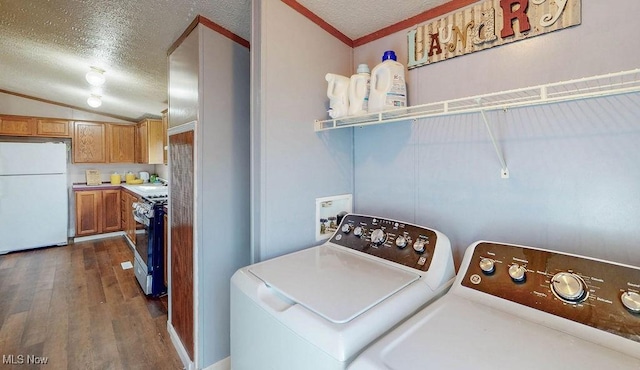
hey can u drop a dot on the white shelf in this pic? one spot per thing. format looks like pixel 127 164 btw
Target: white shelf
pixel 590 87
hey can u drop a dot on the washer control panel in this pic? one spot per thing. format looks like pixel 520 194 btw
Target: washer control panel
pixel 395 241
pixel 600 294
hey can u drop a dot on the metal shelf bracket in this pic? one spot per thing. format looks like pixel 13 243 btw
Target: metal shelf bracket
pixel 504 171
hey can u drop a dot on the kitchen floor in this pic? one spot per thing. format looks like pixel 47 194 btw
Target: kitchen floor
pixel 76 308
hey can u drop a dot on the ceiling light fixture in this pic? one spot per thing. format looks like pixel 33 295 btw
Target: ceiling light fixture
pixel 95 76
pixel 94 101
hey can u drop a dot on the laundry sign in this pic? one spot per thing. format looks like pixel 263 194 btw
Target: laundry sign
pixel 488 24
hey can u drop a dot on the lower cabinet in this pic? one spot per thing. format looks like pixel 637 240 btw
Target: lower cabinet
pixel 98 211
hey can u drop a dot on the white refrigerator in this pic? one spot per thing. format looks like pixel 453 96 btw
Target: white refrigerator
pixel 33 195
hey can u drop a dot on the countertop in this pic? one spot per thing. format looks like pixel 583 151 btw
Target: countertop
pixel 141 189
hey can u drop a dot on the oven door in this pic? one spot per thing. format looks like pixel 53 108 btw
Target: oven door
pixel 142 237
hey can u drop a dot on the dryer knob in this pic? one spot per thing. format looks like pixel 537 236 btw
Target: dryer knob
pixel 358 231
pixel 517 273
pixel 418 246
pixel 401 242
pixel 631 300
pixel 488 266
pixel 378 236
pixel 569 287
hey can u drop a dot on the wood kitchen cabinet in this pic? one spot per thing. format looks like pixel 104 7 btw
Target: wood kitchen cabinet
pixel 53 127
pixel 150 142
pixel 32 126
pixel 89 142
pixel 165 127
pixel 121 143
pixel 17 126
pixel 97 211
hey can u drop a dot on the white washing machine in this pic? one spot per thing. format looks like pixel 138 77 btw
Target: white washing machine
pixel 319 307
pixel 517 307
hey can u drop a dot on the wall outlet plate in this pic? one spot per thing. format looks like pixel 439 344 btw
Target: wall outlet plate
pixel 330 207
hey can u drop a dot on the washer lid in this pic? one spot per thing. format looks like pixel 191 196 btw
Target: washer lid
pixel 333 283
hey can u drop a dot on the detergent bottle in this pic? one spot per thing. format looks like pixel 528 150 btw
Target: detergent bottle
pixel 388 87
pixel 359 91
pixel 338 94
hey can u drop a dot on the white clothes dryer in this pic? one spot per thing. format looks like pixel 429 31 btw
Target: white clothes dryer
pixel 317 308
pixel 518 307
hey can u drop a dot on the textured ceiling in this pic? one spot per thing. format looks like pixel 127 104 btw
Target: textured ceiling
pixel 47 46
pixel 358 18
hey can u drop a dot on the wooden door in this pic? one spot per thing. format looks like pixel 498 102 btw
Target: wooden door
pixel 165 127
pixel 53 128
pixel 142 144
pixel 155 142
pixel 17 126
pixel 165 255
pixel 89 142
pixel 88 215
pixel 181 229
pixel 111 211
pixel 121 141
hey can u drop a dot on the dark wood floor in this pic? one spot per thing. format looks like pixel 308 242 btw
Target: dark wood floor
pixel 76 307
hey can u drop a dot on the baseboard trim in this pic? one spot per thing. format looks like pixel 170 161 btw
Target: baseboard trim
pixel 224 364
pixel 97 236
pixel 182 352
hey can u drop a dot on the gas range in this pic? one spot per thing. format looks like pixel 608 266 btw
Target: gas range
pixel 156 198
pixel 149 255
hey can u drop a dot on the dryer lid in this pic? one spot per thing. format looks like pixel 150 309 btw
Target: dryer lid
pixel 335 284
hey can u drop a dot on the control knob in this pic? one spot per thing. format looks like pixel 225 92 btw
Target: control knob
pixel 378 236
pixel 568 287
pixel 517 273
pixel 346 228
pixel 358 231
pixel 401 242
pixel 631 300
pixel 487 265
pixel 418 246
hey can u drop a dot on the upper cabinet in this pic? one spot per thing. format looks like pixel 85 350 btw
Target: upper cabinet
pixel 32 126
pixel 121 143
pixel 17 126
pixel 89 142
pixel 98 142
pixel 150 142
pixel 165 127
pixel 53 127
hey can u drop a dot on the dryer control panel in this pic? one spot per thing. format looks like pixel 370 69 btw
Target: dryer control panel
pixel 600 294
pixel 407 244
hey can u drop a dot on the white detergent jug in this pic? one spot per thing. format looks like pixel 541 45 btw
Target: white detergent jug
pixel 338 94
pixel 388 87
pixel 359 91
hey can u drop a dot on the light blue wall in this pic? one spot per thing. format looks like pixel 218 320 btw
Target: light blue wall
pixel 209 83
pixel 575 177
pixel 291 164
pixel 222 188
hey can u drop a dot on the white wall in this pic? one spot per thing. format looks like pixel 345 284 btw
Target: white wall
pixel 291 164
pixel 16 105
pixel 574 166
